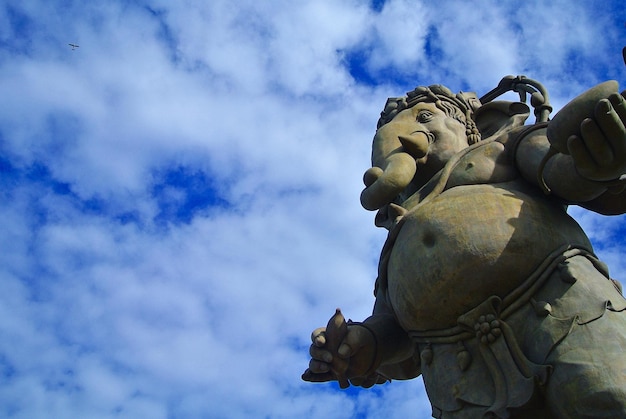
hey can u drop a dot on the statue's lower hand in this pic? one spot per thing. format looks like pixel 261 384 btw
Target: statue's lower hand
pixel 600 152
pixel 358 348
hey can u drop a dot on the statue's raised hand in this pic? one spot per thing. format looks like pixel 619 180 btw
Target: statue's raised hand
pixel 599 152
pixel 353 359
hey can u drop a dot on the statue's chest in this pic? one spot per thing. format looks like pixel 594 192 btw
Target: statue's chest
pixel 485 163
pixel 467 244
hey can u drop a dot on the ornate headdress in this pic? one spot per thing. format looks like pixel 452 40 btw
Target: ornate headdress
pixel 460 106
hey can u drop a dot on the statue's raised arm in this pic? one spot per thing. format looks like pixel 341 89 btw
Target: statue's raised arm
pixel 585 161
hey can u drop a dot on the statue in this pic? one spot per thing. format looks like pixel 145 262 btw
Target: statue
pixel 486 287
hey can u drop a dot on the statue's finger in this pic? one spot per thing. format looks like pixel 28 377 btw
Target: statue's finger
pixel 610 121
pixel 580 154
pixel 318 367
pixel 320 354
pixel 313 377
pixel 318 336
pixel 357 381
pixel 345 350
pixel 618 104
pixel 368 381
pixel 597 141
pixel 380 379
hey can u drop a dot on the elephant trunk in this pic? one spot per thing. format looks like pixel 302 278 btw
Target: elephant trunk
pixel 385 184
pixel 394 166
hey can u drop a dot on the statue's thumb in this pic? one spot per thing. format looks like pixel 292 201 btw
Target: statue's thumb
pixel 336 331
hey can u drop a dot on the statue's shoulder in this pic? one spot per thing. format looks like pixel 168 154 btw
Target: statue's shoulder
pixel 503 122
pixel 486 162
pixel 498 118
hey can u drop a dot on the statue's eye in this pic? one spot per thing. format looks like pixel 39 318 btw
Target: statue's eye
pixel 424 116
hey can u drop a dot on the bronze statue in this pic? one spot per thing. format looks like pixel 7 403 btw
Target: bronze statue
pixel 486 286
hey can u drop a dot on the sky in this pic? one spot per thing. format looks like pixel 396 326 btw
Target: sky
pixel 179 195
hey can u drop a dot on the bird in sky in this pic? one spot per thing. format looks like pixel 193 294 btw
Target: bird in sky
pixel 74 46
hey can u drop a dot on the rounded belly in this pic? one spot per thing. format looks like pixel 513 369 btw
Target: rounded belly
pixel 467 244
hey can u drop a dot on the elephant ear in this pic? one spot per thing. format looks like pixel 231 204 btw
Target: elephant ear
pixel 498 116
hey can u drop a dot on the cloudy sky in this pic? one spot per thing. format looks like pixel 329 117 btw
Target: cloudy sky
pixel 180 194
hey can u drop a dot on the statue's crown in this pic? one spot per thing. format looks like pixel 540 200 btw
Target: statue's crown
pixel 466 102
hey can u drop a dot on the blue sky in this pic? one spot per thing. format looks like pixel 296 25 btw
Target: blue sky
pixel 180 193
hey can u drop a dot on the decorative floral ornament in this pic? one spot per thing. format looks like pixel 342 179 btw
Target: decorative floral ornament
pixel 487 329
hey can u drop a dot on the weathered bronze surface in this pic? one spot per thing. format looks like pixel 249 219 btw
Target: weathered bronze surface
pixel 486 286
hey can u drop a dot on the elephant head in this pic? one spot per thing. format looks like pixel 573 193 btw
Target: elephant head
pixel 395 150
pixel 418 133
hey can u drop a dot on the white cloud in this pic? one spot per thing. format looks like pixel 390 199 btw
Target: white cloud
pixel 479 44
pixel 400 31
